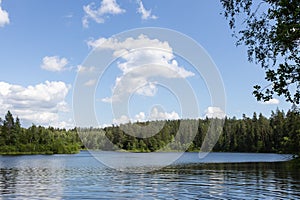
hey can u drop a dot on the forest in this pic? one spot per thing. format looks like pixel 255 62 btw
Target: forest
pixel 15 139
pixel 280 133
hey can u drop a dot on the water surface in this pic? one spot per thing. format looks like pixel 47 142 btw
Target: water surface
pixel 81 176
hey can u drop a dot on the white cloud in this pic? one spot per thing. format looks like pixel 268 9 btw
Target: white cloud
pixel 106 100
pixel 90 13
pixel 122 120
pixel 145 14
pixel 271 102
pixel 82 69
pixel 110 7
pixel 54 63
pixel 40 104
pixel 141 117
pixel 156 115
pixel 147 90
pixel 67 124
pixel 215 112
pixel 91 82
pixel 143 59
pixel 4 17
pixel 107 7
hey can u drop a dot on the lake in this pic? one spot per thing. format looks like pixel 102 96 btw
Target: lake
pixel 140 176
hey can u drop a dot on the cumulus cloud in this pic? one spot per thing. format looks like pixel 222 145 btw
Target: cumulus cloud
pixel 122 120
pixel 140 117
pixel 271 102
pixel 67 124
pixel 153 116
pixel 157 115
pixel 54 63
pixel 107 7
pixel 145 14
pixel 143 59
pixel 215 112
pixel 40 104
pixel 147 90
pixel 4 17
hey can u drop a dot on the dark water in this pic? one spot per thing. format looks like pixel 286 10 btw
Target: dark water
pixel 81 176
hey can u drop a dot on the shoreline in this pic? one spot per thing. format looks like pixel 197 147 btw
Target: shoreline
pixel 34 153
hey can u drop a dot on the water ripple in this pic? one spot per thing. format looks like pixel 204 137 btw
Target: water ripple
pixel 82 177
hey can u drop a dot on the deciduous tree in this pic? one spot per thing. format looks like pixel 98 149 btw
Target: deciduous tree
pixel 270 29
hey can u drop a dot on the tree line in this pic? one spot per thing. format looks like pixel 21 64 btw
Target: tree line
pixel 280 133
pixel 15 139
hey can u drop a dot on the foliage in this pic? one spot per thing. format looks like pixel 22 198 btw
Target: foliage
pixel 278 134
pixel 36 139
pixel 271 31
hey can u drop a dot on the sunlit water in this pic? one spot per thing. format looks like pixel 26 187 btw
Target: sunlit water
pixel 81 176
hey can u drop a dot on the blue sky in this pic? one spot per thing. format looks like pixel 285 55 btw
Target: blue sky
pixel 44 45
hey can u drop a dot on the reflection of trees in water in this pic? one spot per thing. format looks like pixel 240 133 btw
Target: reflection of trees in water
pixel 274 180
pixel 30 182
pixel 48 177
pixel 8 181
